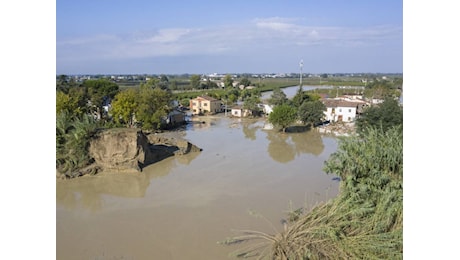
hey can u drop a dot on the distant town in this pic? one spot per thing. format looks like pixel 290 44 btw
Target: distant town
pixel 219 76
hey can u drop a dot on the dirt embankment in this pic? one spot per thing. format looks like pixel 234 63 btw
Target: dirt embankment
pixel 128 150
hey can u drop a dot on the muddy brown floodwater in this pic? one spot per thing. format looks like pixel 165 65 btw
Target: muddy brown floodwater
pixel 181 207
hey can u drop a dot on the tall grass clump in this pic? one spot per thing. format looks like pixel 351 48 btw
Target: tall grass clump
pixel 364 221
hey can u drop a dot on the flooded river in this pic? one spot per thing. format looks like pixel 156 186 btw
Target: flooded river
pixel 179 208
pixel 291 91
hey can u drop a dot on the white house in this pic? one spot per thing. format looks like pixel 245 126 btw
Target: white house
pixel 340 110
pixel 239 111
pixel 267 109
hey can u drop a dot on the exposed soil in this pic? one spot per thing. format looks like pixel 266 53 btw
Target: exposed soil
pixel 131 150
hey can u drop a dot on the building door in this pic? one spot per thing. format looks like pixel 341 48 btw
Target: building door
pixel 340 118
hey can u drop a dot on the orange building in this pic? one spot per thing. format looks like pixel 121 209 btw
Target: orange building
pixel 205 104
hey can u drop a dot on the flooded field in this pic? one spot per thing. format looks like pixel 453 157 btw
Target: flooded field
pixel 181 207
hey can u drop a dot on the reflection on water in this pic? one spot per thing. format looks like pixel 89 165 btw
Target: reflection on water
pixel 249 129
pixel 180 207
pixel 284 147
pixel 88 191
pixel 280 148
pixel 309 142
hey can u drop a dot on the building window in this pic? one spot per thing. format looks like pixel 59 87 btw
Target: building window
pixel 349 119
pixel 205 104
pixel 333 111
pixel 349 110
pixel 194 103
pixel 340 110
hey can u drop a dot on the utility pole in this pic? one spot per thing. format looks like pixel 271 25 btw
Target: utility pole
pixel 301 66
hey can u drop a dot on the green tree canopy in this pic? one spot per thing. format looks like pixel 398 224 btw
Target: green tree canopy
pixel 245 93
pixel 245 81
pixel 283 116
pixel 385 115
pixel 163 83
pixel 100 91
pixel 210 84
pixel 124 106
pixel 73 103
pixel 195 81
pixel 151 82
pixel 173 85
pixel 232 95
pixel 302 96
pixel 228 81
pixel 153 107
pixel 311 112
pixel 382 89
pixel 251 103
pixel 185 102
pixel 251 99
pixel 64 83
pixel 278 97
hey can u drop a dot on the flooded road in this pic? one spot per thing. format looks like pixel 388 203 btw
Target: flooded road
pixel 179 208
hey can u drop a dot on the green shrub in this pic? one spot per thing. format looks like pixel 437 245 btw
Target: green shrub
pixel 72 142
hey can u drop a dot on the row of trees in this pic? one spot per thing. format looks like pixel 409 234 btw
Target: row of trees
pixel 88 97
pixel 145 106
pixel 196 83
pixel 383 88
pixel 305 107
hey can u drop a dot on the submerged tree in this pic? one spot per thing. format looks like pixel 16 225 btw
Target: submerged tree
pixel 283 116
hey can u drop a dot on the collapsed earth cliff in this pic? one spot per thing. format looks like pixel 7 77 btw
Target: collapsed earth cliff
pixel 130 150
